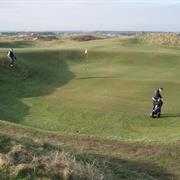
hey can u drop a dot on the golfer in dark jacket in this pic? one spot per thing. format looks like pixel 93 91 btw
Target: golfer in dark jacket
pixel 157 96
pixel 11 57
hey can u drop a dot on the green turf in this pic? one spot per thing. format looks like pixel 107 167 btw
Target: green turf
pixel 106 94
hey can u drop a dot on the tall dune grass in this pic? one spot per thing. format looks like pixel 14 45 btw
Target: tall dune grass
pixel 169 39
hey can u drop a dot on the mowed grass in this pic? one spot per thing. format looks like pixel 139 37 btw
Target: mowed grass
pixel 106 94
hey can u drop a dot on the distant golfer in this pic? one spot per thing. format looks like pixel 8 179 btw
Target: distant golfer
pixel 157 96
pixel 11 56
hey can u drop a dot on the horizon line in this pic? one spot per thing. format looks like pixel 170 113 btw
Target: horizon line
pixel 87 31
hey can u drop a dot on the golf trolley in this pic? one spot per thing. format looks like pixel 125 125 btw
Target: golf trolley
pixel 156 112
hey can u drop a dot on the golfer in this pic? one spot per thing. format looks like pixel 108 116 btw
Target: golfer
pixel 11 56
pixel 157 96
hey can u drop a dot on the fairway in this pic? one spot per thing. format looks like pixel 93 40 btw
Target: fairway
pixel 90 90
pixel 105 94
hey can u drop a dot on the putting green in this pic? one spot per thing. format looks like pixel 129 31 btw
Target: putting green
pixel 105 94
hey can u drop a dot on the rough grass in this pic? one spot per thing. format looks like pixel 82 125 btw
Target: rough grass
pixel 168 39
pixel 22 157
pixel 25 159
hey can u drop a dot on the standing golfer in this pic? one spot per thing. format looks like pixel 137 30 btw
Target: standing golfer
pixel 11 57
pixel 157 96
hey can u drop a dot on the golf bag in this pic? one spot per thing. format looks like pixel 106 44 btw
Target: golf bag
pixel 156 112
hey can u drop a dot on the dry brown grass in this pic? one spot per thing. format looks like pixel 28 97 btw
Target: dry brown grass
pixel 42 161
pixel 169 39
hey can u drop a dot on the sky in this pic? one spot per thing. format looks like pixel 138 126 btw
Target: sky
pixel 90 15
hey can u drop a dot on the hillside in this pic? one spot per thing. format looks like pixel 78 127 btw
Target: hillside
pixel 93 107
pixel 33 154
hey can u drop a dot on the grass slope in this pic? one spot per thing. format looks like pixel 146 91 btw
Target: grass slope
pixel 84 158
pixel 106 94
pixel 55 88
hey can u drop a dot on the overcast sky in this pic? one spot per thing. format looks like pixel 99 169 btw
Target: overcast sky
pixel 88 15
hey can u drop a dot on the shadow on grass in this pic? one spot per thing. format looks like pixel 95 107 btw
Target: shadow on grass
pixel 99 77
pixel 34 74
pixel 16 44
pixel 168 115
pixel 117 168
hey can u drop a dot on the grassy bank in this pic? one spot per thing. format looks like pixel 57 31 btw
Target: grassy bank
pixel 92 107
pixel 106 94
pixel 31 154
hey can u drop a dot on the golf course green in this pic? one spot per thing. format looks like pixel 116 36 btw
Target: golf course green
pixel 96 105
pixel 105 94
